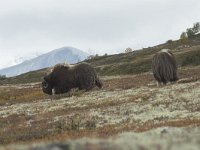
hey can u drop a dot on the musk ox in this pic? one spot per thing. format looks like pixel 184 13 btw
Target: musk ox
pixel 164 67
pixel 64 77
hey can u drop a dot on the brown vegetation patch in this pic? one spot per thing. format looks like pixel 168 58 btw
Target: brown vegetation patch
pixel 13 95
pixel 127 82
pixel 111 130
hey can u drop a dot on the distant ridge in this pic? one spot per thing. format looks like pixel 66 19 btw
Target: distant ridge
pixel 65 54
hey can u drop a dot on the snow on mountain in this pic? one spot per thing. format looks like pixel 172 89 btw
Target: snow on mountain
pixel 21 59
pixel 15 60
pixel 65 54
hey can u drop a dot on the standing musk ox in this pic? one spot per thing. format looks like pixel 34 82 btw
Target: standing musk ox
pixel 64 77
pixel 164 67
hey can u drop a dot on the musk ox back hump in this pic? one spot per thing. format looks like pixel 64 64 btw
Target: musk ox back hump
pixel 164 66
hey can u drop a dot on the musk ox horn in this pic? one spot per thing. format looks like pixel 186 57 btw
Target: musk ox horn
pixel 164 67
pixel 44 84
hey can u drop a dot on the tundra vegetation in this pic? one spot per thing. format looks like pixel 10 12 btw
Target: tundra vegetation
pixel 30 116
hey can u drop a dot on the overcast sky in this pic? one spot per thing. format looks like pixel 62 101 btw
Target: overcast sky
pixel 100 26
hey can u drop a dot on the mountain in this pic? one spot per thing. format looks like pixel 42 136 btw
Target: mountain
pixel 65 54
pixel 19 60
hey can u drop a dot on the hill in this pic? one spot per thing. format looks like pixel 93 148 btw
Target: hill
pixel 64 54
pixel 187 54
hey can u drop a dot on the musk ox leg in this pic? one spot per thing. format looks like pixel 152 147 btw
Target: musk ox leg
pixel 159 84
pixel 173 82
pixel 86 88
pixel 175 78
pixel 81 88
pixel 164 83
pixel 89 88
pixel 98 83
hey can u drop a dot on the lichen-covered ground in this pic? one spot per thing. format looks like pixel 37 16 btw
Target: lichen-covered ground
pixel 164 138
pixel 130 111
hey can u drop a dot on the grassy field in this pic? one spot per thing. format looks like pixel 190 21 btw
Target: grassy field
pixel 125 104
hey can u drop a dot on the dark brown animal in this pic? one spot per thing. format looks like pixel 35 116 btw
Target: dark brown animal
pixel 64 77
pixel 164 67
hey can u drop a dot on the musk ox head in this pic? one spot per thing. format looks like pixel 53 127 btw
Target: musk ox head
pixel 47 86
pixel 63 78
pixel 164 66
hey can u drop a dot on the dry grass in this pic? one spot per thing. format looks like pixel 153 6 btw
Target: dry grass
pixel 12 95
pixel 122 105
pixel 127 82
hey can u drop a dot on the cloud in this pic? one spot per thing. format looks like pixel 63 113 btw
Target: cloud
pixel 99 25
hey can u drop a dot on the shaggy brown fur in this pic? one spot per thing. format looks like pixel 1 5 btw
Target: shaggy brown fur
pixel 164 67
pixel 64 77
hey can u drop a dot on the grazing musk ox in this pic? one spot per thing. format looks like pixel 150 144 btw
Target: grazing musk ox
pixel 164 66
pixel 64 77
